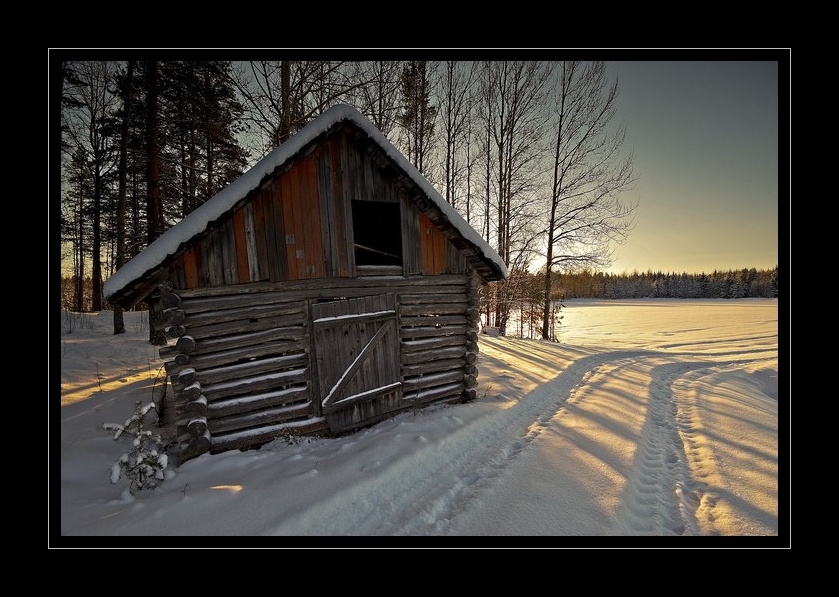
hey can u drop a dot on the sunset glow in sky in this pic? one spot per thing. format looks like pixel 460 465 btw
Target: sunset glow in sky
pixel 706 142
pixel 710 133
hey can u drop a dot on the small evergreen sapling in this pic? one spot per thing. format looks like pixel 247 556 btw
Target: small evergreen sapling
pixel 145 464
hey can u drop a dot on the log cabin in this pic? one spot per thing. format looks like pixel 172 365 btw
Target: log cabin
pixel 326 289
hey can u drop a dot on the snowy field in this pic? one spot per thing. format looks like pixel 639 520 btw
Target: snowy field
pixel 649 419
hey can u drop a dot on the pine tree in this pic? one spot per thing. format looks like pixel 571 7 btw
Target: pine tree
pixel 146 463
pixel 418 114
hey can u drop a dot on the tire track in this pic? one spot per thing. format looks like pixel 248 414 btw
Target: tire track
pixel 658 499
pixel 470 458
pixel 441 487
pixel 671 483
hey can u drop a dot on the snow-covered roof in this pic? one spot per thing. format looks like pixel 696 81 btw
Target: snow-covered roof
pixel 197 221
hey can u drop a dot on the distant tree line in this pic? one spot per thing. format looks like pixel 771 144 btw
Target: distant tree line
pixel 731 284
pixel 526 151
pixel 528 308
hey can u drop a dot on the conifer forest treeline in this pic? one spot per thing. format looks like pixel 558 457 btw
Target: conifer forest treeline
pixel 528 152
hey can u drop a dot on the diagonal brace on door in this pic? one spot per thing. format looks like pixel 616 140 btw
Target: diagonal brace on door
pixel 357 362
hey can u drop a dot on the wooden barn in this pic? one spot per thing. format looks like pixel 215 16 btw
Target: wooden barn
pixel 327 288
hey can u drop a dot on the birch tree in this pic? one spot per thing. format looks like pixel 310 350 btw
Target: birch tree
pixel 586 213
pixel 514 113
pixel 455 90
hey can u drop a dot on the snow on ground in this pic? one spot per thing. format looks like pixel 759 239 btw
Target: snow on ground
pixel 650 419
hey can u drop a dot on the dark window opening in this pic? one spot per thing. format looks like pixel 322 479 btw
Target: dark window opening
pixel 377 232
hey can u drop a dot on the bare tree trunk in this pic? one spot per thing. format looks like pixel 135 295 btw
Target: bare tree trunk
pixel 589 174
pixel 80 269
pixel 119 322
pixel 153 204
pixel 89 105
pixel 285 105
pixel 546 315
pixel 96 279
pixel 155 209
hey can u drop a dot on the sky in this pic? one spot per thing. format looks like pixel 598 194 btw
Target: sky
pixel 650 419
pixel 711 144
pixel 712 148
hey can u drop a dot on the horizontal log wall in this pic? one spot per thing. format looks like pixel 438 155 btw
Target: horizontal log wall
pixel 239 358
pixel 241 362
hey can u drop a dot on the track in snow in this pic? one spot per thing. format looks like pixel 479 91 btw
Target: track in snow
pixel 462 483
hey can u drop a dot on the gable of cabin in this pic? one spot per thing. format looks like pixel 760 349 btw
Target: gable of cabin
pixel 339 211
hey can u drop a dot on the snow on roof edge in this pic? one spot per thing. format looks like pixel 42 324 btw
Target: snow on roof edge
pixel 211 210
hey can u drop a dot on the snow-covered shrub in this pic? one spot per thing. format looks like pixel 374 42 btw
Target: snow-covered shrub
pixel 146 463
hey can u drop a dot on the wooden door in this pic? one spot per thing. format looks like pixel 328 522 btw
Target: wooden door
pixel 357 360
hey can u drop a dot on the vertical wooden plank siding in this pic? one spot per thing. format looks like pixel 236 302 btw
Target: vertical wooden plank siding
pixel 279 258
pixel 389 189
pixel 264 237
pixel 211 259
pixel 440 244
pixel 424 234
pixel 267 198
pixel 411 245
pixel 291 239
pixel 455 261
pixel 217 269
pixel 327 203
pixel 201 261
pixel 259 229
pixel 375 188
pixel 175 274
pixel 199 267
pixel 298 224
pixel 250 239
pixel 191 268
pixel 221 240
pixel 313 231
pixel 241 246
pixel 375 181
pixel 228 253
pixel 343 204
pixel 302 232
pixel 329 360
pixel 356 175
pixel 433 247
pixel 384 357
pixel 314 384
